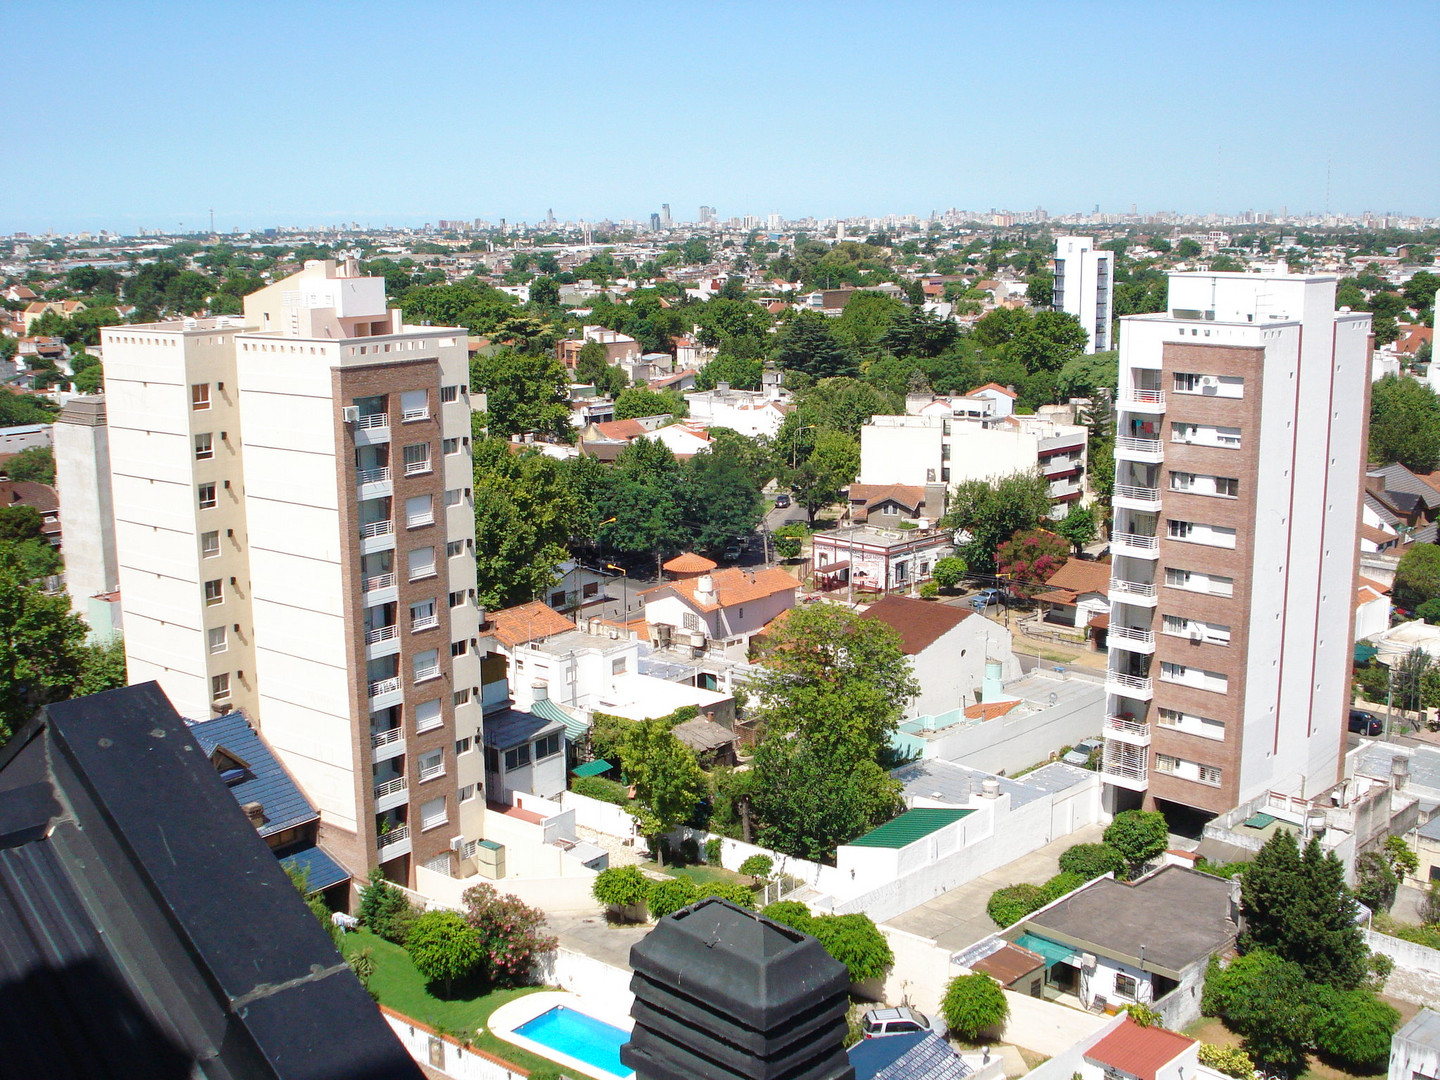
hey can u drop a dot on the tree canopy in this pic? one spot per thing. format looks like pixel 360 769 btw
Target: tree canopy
pixel 993 511
pixel 1404 423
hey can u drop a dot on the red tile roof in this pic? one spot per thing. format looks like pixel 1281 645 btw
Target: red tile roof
pixel 1138 1051
pixel 621 430
pixel 989 710
pixel 528 622
pixel 1076 578
pixel 732 586
pixel 993 386
pixel 920 623
pixel 689 563
pixel 909 496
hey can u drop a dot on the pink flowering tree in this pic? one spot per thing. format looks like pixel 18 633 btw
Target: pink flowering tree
pixel 1030 557
pixel 509 931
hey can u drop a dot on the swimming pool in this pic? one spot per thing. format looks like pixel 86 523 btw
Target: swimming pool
pixel 579 1036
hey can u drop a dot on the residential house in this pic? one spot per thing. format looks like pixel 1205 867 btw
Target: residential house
pixel 752 413
pixel 684 440
pixel 1372 608
pixel 19 294
pixel 718 612
pixel 679 380
pixel 833 301
pixel 887 505
pixel 150 932
pixel 42 498
pixel 948 647
pixel 868 557
pixel 1130 1051
pixel 1078 595
pixel 920 1055
pixel 524 752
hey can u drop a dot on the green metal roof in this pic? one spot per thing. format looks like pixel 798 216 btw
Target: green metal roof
pixel 548 710
pixel 592 768
pixel 1259 821
pixel 908 827
pixel 1052 951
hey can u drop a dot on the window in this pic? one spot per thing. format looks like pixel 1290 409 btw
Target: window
pixel 1166 763
pixel 454 496
pixel 454 549
pixel 199 396
pixel 1227 486
pixel 214 592
pixel 460 697
pixel 691 620
pixel 209 544
pixel 547 747
pixel 215 639
pixel 464 746
pixel 449 394
pixel 517 758
pixel 427 665
pixel 457 598
pixel 1174 624
pixel 418 511
pixel 414 405
pixel 204 446
pixel 421 563
pixel 1180 530
pixel 1182 481
pixel 428 716
pixel 1125 985
pixel 557 599
pixel 417 458
pixel 1186 382
pixel 1210 774
pixel 220 687
pixel 433 815
pixel 432 764
pixel 206 493
pixel 449 446
pixel 1179 579
pixel 467 793
pixel 617 667
pixel 459 648
pixel 422 615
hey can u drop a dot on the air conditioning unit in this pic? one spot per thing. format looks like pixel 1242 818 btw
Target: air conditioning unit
pixel 350 414
pixel 457 843
pixel 1209 380
pixel 1196 634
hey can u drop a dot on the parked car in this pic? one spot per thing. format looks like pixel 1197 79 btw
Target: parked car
pixel 901 1020
pixel 985 597
pixel 731 553
pixel 1079 754
pixel 1366 723
pixel 782 500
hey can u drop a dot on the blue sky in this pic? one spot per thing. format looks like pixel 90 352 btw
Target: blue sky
pixel 149 114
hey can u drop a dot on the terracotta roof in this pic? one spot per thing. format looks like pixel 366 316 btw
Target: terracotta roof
pixel 689 563
pixel 776 308
pixel 528 622
pixel 732 586
pixel 919 622
pixel 1365 595
pixel 989 710
pixel 621 430
pixel 1376 536
pixel 1412 337
pixel 42 497
pixel 909 496
pixel 1138 1051
pixel 1008 963
pixel 1078 577
pixel 993 386
pixel 1375 586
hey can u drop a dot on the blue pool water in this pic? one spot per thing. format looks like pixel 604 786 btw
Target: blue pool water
pixel 582 1037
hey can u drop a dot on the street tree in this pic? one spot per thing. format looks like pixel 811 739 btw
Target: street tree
pixel 832 464
pixel 989 512
pixel 525 514
pixel 950 571
pixel 1030 557
pixel 1078 526
pixel 720 496
pixel 668 781
pixel 523 394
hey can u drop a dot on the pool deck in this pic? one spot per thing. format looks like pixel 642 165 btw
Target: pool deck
pixel 518 1013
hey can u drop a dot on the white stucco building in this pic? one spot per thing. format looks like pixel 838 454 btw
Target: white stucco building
pixel 718 612
pixel 1085 287
pixel 82 477
pixel 752 413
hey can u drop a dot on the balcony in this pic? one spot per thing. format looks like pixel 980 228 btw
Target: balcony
pixel 1132 638
pixel 395 843
pixel 416 520
pixel 1144 401
pixel 371 421
pixel 390 794
pixel 371 429
pixel 1127 729
pixel 385 745
pixel 381 633
pixel 425 674
pixel 377 528
pixel 379 582
pixel 417 468
pixel 425 622
pixel 1131 686
pixel 1136 545
pixel 384 686
pixel 373 483
pixel 432 772
pixel 1132 592
pixel 1136 498
pixel 1125 765
pixel 420 573
pixel 1150 451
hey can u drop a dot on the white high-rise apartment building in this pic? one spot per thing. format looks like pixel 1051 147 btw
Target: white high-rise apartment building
pixel 295 530
pixel 1085 287
pixel 1241 427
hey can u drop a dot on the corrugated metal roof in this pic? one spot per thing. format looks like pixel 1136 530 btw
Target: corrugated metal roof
pixel 910 826
pixel 575 728
pixel 265 780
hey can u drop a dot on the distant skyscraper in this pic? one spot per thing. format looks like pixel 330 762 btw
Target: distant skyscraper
pixel 654 222
pixel 1085 287
pixel 773 221
pixel 665 214
pixel 707 215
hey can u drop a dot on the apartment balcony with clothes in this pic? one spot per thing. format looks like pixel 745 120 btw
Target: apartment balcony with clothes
pixel 1144 395
pixel 1124 727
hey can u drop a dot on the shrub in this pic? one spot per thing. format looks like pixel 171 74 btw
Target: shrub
pixel 1061 884
pixel 737 894
pixel 974 1006
pixel 1143 1015
pixel 1225 870
pixel 757 867
pixel 1380 966
pixel 1092 861
pixel 597 787
pixel 690 850
pixel 856 942
pixel 712 850
pixel 619 886
pixel 929 590
pixel 789 913
pixel 509 933
pixel 787 540
pixel 1138 835
pixel 384 909
pixel 1354 1028
pixel 444 948
pixel 671 894
pixel 1009 905
pixel 1230 1060
pixel 949 571
pixel 1375 881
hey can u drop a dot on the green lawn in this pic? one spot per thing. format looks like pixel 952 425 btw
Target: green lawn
pixel 402 988
pixel 701 874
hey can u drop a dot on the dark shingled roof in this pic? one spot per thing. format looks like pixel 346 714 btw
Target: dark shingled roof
pixel 919 1056
pixel 265 780
pixel 146 930
pixel 919 623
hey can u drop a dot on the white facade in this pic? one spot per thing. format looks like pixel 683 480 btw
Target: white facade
pixel 752 413
pixel 1085 287
pixel 1235 596
pixel 82 477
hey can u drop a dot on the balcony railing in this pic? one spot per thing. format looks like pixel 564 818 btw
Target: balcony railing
pixel 376 528
pixel 1143 397
pixel 1127 724
pixel 390 787
pixel 381 633
pixel 385 738
pixel 415 414
pixel 422 674
pixel 1140 494
pixel 378 582
pixel 373 420
pixel 373 476
pixel 429 723
pixel 1129 770
pixel 1144 446
pixel 394 836
pixel 384 686
pixel 1131 633
pixel 1131 588
pixel 417 468
pixel 1136 540
pixel 1129 682
pixel 419 573
pixel 425 622
pixel 416 520
pixel 431 772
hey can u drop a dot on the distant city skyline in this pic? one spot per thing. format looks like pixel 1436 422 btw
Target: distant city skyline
pixel 152 115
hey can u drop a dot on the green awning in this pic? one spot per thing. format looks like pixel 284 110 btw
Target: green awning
pixel 1365 652
pixel 1259 821
pixel 1052 951
pixel 592 768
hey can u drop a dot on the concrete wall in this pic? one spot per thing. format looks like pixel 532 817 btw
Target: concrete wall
pixel 1417 969
pixel 601 816
pixel 444 1054
pixel 587 977
pixel 951 669
pixel 1410 1059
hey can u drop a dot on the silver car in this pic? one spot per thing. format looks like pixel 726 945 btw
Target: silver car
pixel 900 1020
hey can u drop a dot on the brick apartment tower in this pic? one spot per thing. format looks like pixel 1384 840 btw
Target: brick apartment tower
pixel 295 531
pixel 1241 429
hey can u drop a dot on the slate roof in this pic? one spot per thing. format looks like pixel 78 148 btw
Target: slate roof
pixel 919 1056
pixel 1138 1051
pixel 919 623
pixel 265 780
pixel 1399 478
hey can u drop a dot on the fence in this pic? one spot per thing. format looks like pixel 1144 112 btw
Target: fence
pixel 445 1053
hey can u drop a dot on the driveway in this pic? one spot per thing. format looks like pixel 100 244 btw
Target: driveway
pixel 957 918
pixel 593 936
